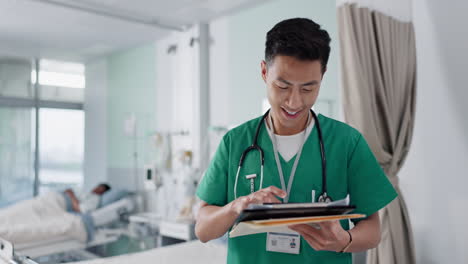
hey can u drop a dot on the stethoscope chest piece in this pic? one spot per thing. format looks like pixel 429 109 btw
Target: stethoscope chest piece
pixel 324 198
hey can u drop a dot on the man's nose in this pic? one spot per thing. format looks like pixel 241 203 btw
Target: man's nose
pixel 294 100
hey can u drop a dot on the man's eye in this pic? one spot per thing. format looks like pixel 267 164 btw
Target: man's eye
pixel 308 88
pixel 282 86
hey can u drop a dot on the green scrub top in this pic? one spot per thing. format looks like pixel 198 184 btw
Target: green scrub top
pixel 351 168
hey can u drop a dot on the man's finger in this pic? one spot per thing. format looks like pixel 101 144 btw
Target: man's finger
pixel 307 229
pixel 253 199
pixel 264 197
pixel 276 191
pixel 328 224
pixel 313 241
pixel 271 199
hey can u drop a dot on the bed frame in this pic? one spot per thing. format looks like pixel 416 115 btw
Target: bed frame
pixel 8 256
pixel 64 244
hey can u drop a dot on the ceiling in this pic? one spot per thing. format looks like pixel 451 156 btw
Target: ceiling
pixel 80 30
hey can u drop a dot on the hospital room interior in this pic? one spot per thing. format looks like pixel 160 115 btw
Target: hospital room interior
pixel 119 107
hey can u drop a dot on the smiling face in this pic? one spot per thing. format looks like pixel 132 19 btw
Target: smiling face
pixel 292 86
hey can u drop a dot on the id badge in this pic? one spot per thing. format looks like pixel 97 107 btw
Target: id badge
pixel 283 242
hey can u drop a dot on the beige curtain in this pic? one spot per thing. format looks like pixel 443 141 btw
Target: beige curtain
pixel 378 66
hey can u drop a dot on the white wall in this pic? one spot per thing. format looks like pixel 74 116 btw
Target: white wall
pixel 177 82
pixel 95 107
pixel 219 73
pixel 434 178
pixel 238 45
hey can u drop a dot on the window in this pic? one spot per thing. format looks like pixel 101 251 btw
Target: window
pixel 60 74
pixel 60 81
pixel 61 141
pixel 58 104
pixel 16 154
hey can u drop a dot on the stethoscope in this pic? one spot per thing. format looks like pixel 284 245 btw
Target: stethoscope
pixel 323 197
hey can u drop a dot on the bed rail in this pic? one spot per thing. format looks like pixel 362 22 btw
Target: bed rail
pixel 8 256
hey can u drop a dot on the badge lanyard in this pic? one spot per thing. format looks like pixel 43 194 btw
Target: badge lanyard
pixel 271 132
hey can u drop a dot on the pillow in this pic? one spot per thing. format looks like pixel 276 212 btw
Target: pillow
pixel 111 196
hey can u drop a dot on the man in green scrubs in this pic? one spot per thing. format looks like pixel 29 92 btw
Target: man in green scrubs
pixel 296 56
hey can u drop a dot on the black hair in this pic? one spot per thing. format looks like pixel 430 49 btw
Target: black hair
pixel 300 38
pixel 106 186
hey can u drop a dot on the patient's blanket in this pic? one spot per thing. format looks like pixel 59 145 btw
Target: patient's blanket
pixel 40 218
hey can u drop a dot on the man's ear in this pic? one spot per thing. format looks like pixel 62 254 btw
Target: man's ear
pixel 264 68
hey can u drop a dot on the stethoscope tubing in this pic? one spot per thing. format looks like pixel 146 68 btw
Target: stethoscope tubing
pixel 324 197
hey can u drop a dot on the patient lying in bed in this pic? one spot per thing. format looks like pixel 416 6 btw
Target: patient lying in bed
pixel 86 202
pixel 49 215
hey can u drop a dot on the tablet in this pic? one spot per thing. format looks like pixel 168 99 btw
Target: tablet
pixel 285 205
pixel 291 210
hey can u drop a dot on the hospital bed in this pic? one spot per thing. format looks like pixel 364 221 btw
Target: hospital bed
pixel 67 232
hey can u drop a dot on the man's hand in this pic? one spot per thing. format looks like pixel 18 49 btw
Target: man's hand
pixel 265 195
pixel 74 200
pixel 76 206
pixel 213 221
pixel 328 236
